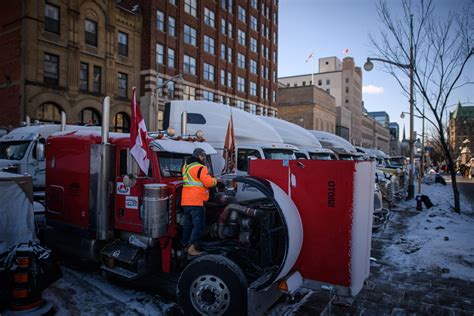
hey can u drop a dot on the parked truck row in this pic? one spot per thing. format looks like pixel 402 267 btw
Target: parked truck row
pixel 102 208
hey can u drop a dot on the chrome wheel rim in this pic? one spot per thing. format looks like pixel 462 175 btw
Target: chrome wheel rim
pixel 209 295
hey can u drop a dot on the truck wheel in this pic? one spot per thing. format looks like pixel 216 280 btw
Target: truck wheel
pixel 212 285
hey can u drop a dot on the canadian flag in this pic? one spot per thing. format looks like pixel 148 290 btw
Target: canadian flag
pixel 229 148
pixel 310 56
pixel 345 51
pixel 138 137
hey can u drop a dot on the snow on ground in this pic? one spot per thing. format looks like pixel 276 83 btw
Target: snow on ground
pixel 437 239
pixel 80 293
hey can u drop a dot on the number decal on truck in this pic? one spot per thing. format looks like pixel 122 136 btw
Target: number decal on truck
pixel 331 194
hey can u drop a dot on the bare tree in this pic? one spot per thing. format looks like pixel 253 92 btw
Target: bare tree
pixel 442 49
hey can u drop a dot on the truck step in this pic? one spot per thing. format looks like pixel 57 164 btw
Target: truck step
pixel 121 272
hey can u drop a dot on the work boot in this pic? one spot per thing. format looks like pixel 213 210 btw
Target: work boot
pixel 192 251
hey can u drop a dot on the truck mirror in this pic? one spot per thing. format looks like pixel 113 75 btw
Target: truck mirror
pixel 40 156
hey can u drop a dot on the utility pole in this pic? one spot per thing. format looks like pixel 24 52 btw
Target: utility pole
pixel 411 186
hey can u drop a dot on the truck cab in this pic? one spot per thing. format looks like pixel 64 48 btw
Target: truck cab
pixel 254 138
pixel 23 150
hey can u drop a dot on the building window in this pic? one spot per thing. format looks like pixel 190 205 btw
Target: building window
pixel 320 82
pixel 89 116
pixel 253 88
pixel 208 96
pixel 241 14
pixel 347 101
pixel 189 93
pixel 189 35
pixel 274 57
pixel 240 105
pixel 241 37
pixel 253 4
pixel 229 79
pixel 222 78
pixel 51 69
pixel 171 26
pixel 253 45
pixel 347 80
pixel 347 89
pixel 223 24
pixel 122 85
pixel 173 2
pixel 223 53
pixel 209 17
pixel 328 82
pixel 97 80
pixel 48 112
pixel 91 32
pixel 170 88
pixel 275 77
pixel 189 65
pixel 160 21
pixel 328 91
pixel 121 123
pixel 159 54
pixel 304 83
pixel 253 23
pixel 51 18
pixel 229 55
pixel 241 60
pixel 190 7
pixel 209 45
pixel 229 30
pixel 230 5
pixel 252 108
pixel 170 58
pixel 274 96
pixel 253 66
pixel 208 72
pixel 241 84
pixel 84 77
pixel 274 38
pixel 224 4
pixel 123 44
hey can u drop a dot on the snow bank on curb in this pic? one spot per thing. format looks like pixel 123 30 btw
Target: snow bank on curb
pixel 437 239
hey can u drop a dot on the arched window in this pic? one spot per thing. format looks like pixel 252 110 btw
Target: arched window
pixel 48 112
pixel 121 123
pixel 89 116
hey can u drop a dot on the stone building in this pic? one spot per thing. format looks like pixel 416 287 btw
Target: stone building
pixel 461 128
pixel 343 80
pixel 224 51
pixel 374 134
pixel 67 55
pixel 307 106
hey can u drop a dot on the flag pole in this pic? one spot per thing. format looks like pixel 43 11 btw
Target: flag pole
pixel 312 70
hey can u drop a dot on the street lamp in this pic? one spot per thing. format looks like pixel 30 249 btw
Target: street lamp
pixel 368 66
pixel 177 78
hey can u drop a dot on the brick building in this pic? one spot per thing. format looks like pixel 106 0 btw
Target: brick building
pixel 225 50
pixel 308 106
pixel 461 128
pixel 374 134
pixel 66 55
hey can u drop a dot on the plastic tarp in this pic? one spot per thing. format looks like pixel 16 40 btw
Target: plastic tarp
pixel 17 222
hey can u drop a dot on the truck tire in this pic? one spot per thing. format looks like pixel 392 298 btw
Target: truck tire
pixel 212 285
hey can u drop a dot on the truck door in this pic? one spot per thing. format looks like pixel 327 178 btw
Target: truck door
pixel 35 163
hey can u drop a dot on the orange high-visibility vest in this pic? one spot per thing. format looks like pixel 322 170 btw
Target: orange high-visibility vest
pixel 197 181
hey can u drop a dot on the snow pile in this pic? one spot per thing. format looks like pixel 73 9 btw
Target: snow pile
pixel 79 293
pixel 437 239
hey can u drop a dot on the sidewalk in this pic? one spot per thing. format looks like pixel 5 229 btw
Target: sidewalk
pixel 424 265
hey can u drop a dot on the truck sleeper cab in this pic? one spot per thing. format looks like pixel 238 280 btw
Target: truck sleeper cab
pixel 100 208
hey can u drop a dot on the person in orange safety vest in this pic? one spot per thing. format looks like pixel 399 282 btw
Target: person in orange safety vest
pixel 197 182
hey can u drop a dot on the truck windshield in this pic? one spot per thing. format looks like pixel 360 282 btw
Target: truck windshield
pixel 320 156
pixel 172 163
pixel 13 150
pixel 279 154
pixel 345 157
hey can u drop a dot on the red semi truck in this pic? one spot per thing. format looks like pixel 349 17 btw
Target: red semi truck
pixel 100 208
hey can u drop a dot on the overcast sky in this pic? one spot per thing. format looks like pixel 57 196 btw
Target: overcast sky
pixel 330 26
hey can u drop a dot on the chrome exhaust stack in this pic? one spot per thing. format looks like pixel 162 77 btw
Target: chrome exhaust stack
pixel 102 179
pixel 63 121
pixel 184 123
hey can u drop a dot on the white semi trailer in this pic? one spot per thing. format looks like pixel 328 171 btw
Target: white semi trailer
pixel 254 138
